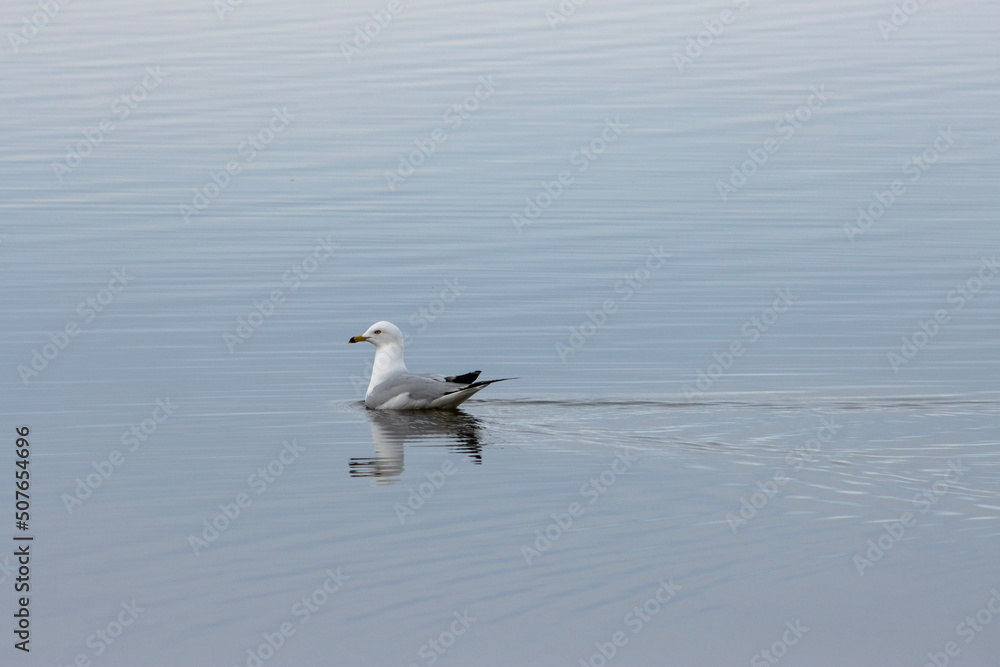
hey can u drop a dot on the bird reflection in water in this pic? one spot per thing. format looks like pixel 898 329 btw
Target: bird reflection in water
pixel 458 431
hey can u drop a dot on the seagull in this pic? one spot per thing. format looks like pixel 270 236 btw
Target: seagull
pixel 393 387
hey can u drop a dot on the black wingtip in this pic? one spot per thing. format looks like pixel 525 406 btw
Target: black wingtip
pixel 481 383
pixel 467 378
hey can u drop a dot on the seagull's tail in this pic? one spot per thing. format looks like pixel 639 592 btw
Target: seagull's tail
pixel 479 385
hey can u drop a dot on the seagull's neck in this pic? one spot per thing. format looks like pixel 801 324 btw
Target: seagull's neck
pixel 388 362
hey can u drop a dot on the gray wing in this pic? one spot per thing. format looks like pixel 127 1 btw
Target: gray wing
pixel 419 388
pixel 466 378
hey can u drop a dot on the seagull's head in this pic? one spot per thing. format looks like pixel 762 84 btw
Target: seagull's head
pixel 380 334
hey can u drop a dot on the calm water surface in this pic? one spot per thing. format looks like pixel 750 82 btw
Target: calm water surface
pixel 740 255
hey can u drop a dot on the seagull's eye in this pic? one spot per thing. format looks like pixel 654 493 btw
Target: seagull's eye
pixel 378 331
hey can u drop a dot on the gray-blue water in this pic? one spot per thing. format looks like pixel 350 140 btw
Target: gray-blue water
pixel 740 255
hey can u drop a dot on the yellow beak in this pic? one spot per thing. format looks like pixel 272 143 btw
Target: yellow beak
pixel 357 339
